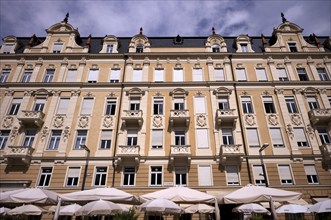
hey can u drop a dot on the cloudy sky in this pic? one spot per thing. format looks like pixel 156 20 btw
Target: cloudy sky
pixel 123 18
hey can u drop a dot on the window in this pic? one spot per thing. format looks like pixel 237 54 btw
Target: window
pixel 49 75
pixel 106 136
pixel 197 74
pixel 322 74
pixel 285 174
pixel 156 176
pixel 39 104
pixel 232 175
pixel 302 74
pixel 180 176
pixel 223 103
pixel 3 139
pixel 115 75
pixel 93 76
pixel 54 142
pixel 29 138
pixel 128 176
pixel 227 137
pixel 158 74
pixel 139 48
pixel 179 137
pixel 132 137
pixel 57 47
pixel 87 106
pixel 300 137
pixel 110 48
pixel 179 103
pixel 7 48
pixel 261 74
pixel 158 106
pixel 27 75
pixel 45 176
pixel 258 175
pixel 134 104
pixel 63 106
pixel 268 104
pixel 252 137
pixel 292 46
pixel 215 48
pixel 80 139
pixel 4 75
pixel 205 175
pixel 100 176
pixel 157 139
pixel 311 174
pixel 71 75
pixel 15 106
pixel 291 105
pixel 241 74
pixel 178 75
pixel 110 107
pixel 312 102
pixel 202 138
pixel 282 76
pixel 219 74
pixel 137 75
pixel 199 105
pixel 244 48
pixel 73 176
pixel 276 137
pixel 329 98
pixel 324 136
pixel 247 105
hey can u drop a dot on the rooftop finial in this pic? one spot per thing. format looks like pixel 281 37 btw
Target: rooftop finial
pixel 283 17
pixel 213 30
pixel 65 20
pixel 141 30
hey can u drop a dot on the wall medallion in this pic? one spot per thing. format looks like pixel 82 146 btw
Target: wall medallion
pixel 296 119
pixel 250 120
pixel 8 121
pixel 157 121
pixel 58 121
pixel 108 121
pixel 273 119
pixel 83 122
pixel 201 120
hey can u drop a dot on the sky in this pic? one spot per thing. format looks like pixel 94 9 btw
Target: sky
pixel 123 18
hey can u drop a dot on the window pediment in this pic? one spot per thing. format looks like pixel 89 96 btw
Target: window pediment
pixel 135 93
pixel 310 91
pixel 221 91
pixel 42 92
pixel 288 27
pixel 179 92
pixel 10 39
pixel 61 28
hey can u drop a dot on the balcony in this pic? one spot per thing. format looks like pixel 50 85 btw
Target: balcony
pixel 18 154
pixel 31 118
pixel 128 153
pixel 180 154
pixel 226 116
pixel 320 116
pixel 132 118
pixel 326 153
pixel 231 154
pixel 179 118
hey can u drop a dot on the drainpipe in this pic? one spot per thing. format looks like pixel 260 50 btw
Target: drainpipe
pixel 240 121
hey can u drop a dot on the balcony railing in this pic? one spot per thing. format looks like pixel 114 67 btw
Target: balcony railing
pixel 132 117
pixel 320 116
pixel 31 118
pixel 180 150
pixel 179 117
pixel 127 154
pixel 326 152
pixel 231 152
pixel 15 154
pixel 224 116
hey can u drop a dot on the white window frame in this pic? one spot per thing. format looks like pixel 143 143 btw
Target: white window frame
pixel 29 137
pixel 15 106
pixel 158 106
pixel 49 75
pixel 81 138
pixel 180 137
pixel 137 75
pixel 282 75
pixel 57 47
pixel 106 137
pixel 179 103
pixel 158 74
pixel 132 137
pixel 202 138
pixel 100 176
pixel 261 74
pixel 276 137
pixel 324 136
pixel 71 75
pixel 312 102
pixel 39 104
pixel 109 48
pixel 87 106
pixel 73 174
pixel 200 105
pixel 285 174
pixel 156 175
pixel 54 141
pixel 4 75
pixel 223 102
pixel 300 137
pixel 110 106
pixel 45 176
pixel 7 48
pixel 269 106
pixel 219 74
pixel 205 175
pixel 292 46
pixel 303 73
pixel 253 139
pixel 311 174
pixel 178 75
pixel 93 76
pixel 258 175
pixel 197 74
pixel 247 105
pixel 322 74
pixel 4 136
pixel 291 104
pixel 62 108
pixel 227 136
pixel 114 75
pixel 157 138
pixel 27 75
pixel 131 174
pixel 241 74
pixel 181 173
pixel 232 175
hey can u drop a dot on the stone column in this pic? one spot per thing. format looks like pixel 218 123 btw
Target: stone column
pixel 18 70
pixel 36 70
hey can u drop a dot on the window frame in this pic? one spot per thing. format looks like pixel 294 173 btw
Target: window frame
pixel 72 180
pixel 292 46
pixel 302 140
pixel 180 176
pixel 156 176
pixel 100 177
pixel 291 104
pixel 269 106
pixel 227 136
pixel 311 174
pixel 247 105
pixel 130 175
pixel 57 47
pixel 4 136
pixel 29 137
pixel 282 74
pixel 15 106
pixel 81 139
pixel 27 75
pixel 106 137
pixel 302 74
pixel 110 106
pixel 158 105
pixel 230 175
pixel 180 137
pixel 285 178
pixel 322 74
pixel 49 75
pixel 4 75
pixel 154 143
pixel 323 135
pixel 45 176
pixel 54 140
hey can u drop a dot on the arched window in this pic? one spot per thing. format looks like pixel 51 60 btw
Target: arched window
pixel 139 48
pixel 215 48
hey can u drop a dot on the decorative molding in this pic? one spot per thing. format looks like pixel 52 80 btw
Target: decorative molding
pixel 66 133
pixel 89 95
pixel 14 132
pixel 58 121
pixel 290 131
pixel 56 92
pixel 9 92
pixel 75 93
pixel 297 91
pixel 201 120
pixel 44 133
pixel 108 121
pixel 28 92
pixel 310 131
pixel 157 121
pixel 83 122
pixel 273 119
pixel 296 119
pixel 111 95
pixel 250 119
pixel 8 121
pixel 279 91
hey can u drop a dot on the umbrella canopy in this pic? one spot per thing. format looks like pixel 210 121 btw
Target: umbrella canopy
pixel 160 205
pixel 4 210
pixel 30 195
pixel 110 194
pixel 69 209
pixel 321 207
pixel 292 208
pixel 100 207
pixel 200 208
pixel 252 193
pixel 251 207
pixel 27 210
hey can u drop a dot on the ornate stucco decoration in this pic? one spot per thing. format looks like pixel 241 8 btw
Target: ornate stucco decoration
pixel 279 91
pixel 290 131
pixel 83 122
pixel 7 121
pixel 75 93
pixel 221 91
pixel 201 120
pixel 14 132
pixel 89 95
pixel 310 131
pixel 250 119
pixel 296 119
pixel 44 133
pixel 157 121
pixel 108 121
pixel 58 121
pixel 273 119
pixel 9 92
pixel 66 133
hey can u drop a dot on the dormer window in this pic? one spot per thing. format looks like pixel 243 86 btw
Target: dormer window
pixel 110 48
pixel 292 46
pixel 139 48
pixel 244 48
pixel 215 48
pixel 57 47
pixel 7 48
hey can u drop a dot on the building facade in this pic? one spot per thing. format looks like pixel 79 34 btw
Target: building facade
pixel 145 113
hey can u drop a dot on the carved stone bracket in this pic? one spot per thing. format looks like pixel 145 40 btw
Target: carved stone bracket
pixel 14 133
pixel 44 133
pixel 290 131
pixel 66 133
pixel 310 131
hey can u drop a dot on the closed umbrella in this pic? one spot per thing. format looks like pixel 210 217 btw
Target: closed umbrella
pixel 251 208
pixel 321 207
pixel 27 210
pixel 69 210
pixel 292 208
pixel 200 208
pixel 160 205
pixel 100 207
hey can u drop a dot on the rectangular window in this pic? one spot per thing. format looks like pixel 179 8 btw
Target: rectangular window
pixel 202 138
pixel 110 107
pixel 219 74
pixel 223 102
pixel 29 138
pixel 292 46
pixel 178 75
pixel 261 74
pixel 312 102
pixel 71 75
pixel 93 76
pixel 285 174
pixel 39 104
pixel 134 104
pixel 137 75
pixel 15 106
pixel 227 138
pixel 268 104
pixel 311 174
pixel 45 176
pixel 258 175
pixel 4 75
pixel 106 136
pixel 87 106
pixel 291 104
pixel 302 74
pixel 156 176
pixel 132 138
pixel 244 48
pixel 199 105
pixel 158 106
pixel 324 136
pixel 27 75
pixel 73 176
pixel 158 75
pixel 197 74
pixel 329 99
pixel 57 47
pixel 157 139
pixel 247 105
pixel 282 76
pixel 241 74
pixel 49 75
pixel 7 48
pixel 180 176
pixel 80 139
pixel 110 48
pixel 276 137
pixel 252 137
pixel 232 175
pixel 322 74
pixel 115 75
pixel 63 106
pixel 129 176
pixel 54 142
pixel 205 175
pixel 100 178
pixel 4 135
pixel 179 104
pixel 300 137
pixel 179 137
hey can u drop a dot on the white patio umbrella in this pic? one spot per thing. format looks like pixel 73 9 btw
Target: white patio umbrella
pixel 160 205
pixel 292 208
pixel 4 210
pixel 251 208
pixel 30 195
pixel 100 207
pixel 199 208
pixel 321 207
pixel 27 210
pixel 69 210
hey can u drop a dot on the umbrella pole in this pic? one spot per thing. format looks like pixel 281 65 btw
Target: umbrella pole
pixel 272 209
pixel 57 210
